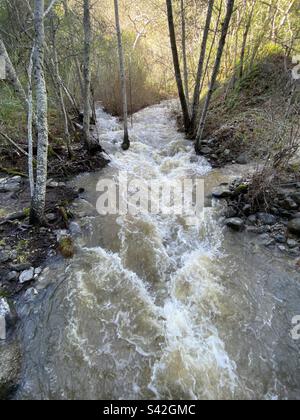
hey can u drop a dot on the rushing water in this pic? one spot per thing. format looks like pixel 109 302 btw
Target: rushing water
pixel 151 307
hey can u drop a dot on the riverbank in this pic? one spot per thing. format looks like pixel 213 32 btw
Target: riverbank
pixel 23 248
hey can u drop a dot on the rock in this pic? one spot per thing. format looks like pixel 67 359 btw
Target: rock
pixel 292 244
pixel 235 224
pixel 222 192
pixel 10 184
pixel 20 267
pixel 10 365
pixel 4 257
pixel 289 204
pixel 12 276
pixel 30 294
pixel 205 150
pixel 26 276
pixel 242 159
pixel 38 271
pixel 252 219
pixel 227 152
pixel 51 217
pixel 294 252
pixel 252 229
pixel 230 212
pixel 281 239
pixel 267 219
pixel 266 240
pixel 282 248
pixel 241 189
pixel 247 209
pixel 294 227
pixel 296 198
pixel 66 247
pixel 53 184
pixel 75 229
pixel 264 229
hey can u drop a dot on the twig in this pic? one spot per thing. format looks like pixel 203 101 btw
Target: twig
pixel 13 143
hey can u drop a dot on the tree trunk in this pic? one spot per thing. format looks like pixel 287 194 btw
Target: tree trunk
pixel 60 92
pixel 245 38
pixel 126 141
pixel 183 101
pixel 225 27
pixel 184 54
pixel 39 196
pixel 29 125
pixel 197 91
pixel 12 78
pixel 87 74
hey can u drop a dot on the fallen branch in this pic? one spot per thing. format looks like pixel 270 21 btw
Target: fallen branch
pixel 13 217
pixel 13 143
pixel 13 172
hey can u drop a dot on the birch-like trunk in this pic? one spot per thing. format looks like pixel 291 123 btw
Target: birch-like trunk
pixel 197 90
pixel 224 32
pixel 12 78
pixel 29 125
pixel 39 196
pixel 126 141
pixel 182 97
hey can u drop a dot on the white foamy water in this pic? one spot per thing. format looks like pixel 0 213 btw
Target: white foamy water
pixel 151 307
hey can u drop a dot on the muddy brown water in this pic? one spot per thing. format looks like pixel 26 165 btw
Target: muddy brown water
pixel 151 308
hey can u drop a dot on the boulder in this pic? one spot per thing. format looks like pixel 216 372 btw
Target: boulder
pixel 10 365
pixel 281 239
pixel 12 276
pixel 10 184
pixel 222 192
pixel 252 219
pixel 4 257
pixel 289 204
pixel 242 159
pixel 75 229
pixel 235 224
pixel 294 227
pixel 205 150
pixel 26 276
pixel 292 244
pixel 267 219
pixel 296 198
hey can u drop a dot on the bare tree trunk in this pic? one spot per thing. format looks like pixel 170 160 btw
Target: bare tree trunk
pixel 245 38
pixel 29 125
pixel 87 74
pixel 184 54
pixel 60 92
pixel 197 91
pixel 225 27
pixel 182 97
pixel 12 78
pixel 126 141
pixel 39 196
